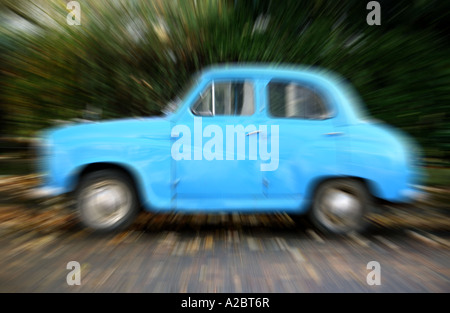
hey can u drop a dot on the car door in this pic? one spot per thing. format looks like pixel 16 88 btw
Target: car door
pixel 220 169
pixel 306 139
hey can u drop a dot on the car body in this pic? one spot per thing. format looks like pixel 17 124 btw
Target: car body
pixel 207 155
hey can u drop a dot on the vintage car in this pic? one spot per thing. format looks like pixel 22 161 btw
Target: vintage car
pixel 246 139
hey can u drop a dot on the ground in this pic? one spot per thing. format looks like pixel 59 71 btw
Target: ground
pixel 217 253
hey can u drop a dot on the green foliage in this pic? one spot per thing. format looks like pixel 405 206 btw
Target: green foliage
pixel 129 58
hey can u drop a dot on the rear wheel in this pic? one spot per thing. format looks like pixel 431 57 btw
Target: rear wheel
pixel 106 200
pixel 341 206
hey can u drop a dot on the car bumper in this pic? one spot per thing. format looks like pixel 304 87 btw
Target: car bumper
pixel 45 192
pixel 414 194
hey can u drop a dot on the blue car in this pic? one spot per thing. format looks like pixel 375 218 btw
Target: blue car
pixel 242 139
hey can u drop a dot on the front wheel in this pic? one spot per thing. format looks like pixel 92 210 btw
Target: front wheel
pixel 106 200
pixel 341 206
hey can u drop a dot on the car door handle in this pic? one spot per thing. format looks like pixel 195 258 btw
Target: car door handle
pixel 334 134
pixel 253 132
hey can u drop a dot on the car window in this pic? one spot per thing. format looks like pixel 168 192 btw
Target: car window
pixel 291 99
pixel 226 98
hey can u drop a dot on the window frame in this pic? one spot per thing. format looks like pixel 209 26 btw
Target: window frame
pixel 211 85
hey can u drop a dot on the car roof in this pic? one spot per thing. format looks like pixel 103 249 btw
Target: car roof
pixel 268 71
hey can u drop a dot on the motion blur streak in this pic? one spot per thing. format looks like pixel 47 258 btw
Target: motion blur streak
pixel 134 58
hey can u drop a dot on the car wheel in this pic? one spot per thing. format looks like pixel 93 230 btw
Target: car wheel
pixel 341 206
pixel 106 200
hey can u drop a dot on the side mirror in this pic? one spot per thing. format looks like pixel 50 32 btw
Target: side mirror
pixel 92 113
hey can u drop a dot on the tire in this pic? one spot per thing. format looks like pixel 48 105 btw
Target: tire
pixel 341 206
pixel 106 200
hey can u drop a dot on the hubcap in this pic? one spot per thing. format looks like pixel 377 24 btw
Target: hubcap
pixel 105 203
pixel 339 209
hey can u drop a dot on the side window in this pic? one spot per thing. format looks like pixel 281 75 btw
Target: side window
pixel 226 98
pixel 291 99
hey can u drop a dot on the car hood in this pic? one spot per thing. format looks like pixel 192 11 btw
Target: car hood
pixel 121 128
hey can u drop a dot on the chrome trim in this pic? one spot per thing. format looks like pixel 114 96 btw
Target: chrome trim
pixel 253 132
pixel 44 192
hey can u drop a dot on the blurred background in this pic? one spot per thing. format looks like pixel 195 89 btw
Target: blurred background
pixel 131 57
